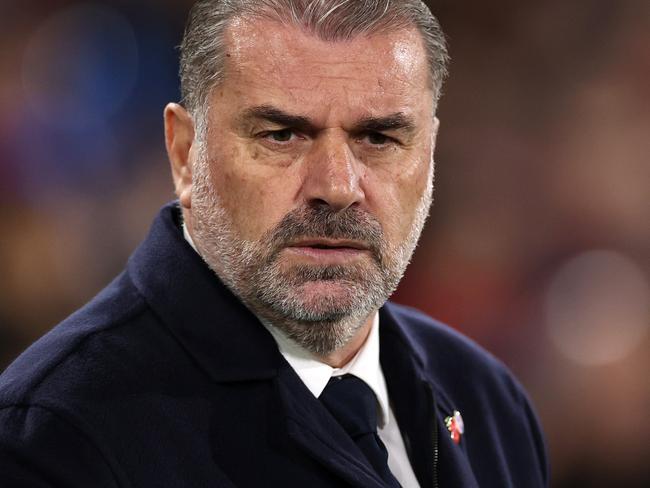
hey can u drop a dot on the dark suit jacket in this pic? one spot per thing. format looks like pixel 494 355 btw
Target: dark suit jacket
pixel 166 380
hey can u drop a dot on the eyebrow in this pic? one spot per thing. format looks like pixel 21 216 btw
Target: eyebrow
pixel 277 116
pixel 395 121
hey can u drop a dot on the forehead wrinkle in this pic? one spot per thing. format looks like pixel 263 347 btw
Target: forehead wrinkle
pixel 353 72
pixel 347 87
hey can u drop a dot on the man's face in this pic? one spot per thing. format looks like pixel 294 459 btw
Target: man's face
pixel 314 178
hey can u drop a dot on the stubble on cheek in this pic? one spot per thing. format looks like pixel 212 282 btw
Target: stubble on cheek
pixel 413 193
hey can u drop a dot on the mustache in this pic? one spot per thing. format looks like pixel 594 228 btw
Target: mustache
pixel 313 222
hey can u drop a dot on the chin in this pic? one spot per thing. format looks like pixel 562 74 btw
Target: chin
pixel 327 290
pixel 324 301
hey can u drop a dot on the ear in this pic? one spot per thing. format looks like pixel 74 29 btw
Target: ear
pixel 434 132
pixel 179 137
pixel 434 138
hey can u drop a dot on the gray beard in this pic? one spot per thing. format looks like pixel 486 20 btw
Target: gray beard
pixel 252 271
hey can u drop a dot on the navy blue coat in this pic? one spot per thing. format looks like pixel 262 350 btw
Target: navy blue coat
pixel 166 380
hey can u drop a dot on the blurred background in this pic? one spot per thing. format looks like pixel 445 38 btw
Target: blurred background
pixel 538 245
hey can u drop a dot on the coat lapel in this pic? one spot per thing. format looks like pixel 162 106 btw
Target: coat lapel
pixel 211 324
pixel 420 408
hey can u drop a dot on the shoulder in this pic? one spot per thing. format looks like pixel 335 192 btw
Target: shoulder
pixel 457 364
pixel 80 344
pixel 47 392
pixel 440 346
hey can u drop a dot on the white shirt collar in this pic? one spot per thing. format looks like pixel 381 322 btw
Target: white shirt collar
pixel 188 237
pixel 316 374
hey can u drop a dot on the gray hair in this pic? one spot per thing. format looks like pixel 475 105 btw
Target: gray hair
pixel 203 51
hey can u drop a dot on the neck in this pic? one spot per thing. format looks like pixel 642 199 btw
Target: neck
pixel 343 355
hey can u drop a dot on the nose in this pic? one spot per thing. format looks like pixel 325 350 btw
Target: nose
pixel 332 174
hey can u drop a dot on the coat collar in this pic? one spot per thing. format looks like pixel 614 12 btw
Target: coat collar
pixel 205 317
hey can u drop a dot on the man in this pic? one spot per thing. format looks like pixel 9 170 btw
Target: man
pixel 249 342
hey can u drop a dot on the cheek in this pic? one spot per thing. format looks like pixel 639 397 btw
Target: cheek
pixel 254 201
pixel 394 196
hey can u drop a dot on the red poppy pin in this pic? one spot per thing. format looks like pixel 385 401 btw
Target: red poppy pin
pixel 455 426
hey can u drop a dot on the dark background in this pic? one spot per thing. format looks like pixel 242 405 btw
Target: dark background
pixel 538 245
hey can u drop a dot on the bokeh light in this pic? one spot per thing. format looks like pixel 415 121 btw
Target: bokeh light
pixel 80 66
pixel 598 307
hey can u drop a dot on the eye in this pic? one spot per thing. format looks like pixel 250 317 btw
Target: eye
pixel 377 138
pixel 283 135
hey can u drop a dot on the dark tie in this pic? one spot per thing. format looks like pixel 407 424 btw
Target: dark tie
pixel 354 405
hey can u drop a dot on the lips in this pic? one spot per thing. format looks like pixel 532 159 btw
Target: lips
pixel 330 244
pixel 328 251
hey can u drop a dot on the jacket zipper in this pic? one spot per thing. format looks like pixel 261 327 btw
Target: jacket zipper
pixel 434 433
